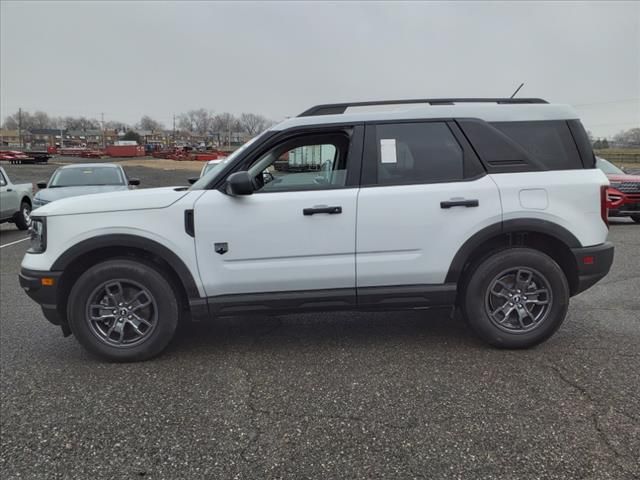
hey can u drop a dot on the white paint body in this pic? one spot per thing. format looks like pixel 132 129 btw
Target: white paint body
pixel 385 235
pixel 393 235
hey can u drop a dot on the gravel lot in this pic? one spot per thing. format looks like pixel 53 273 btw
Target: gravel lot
pixel 330 396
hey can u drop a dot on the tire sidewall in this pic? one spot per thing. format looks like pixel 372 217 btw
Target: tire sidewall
pixel 142 273
pixel 21 221
pixel 485 273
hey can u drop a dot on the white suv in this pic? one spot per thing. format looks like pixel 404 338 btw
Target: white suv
pixel 493 205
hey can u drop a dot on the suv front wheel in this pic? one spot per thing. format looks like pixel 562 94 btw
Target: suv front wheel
pixel 123 310
pixel 516 298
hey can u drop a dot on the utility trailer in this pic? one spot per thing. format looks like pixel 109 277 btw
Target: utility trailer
pixel 30 157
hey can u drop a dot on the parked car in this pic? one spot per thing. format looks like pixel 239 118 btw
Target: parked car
pixel 211 164
pixel 15 201
pixel 82 179
pixel 624 191
pixel 493 205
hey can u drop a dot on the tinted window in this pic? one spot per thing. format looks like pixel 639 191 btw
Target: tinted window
pixel 548 142
pixel 417 153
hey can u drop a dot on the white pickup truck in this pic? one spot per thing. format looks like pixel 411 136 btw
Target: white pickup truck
pixel 15 201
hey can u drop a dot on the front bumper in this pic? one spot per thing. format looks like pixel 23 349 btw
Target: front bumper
pixel 593 264
pixel 45 293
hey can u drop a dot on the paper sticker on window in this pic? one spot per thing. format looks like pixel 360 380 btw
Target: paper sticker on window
pixel 388 150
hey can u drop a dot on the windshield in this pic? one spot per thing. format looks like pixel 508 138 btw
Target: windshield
pixel 212 173
pixel 608 167
pixel 82 176
pixel 210 166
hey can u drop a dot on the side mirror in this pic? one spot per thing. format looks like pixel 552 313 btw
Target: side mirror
pixel 134 181
pixel 193 180
pixel 42 184
pixel 240 183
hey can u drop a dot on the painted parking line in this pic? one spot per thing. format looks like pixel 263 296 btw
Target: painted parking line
pixel 13 243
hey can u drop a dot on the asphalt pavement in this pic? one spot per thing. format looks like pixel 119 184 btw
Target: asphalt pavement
pixel 326 396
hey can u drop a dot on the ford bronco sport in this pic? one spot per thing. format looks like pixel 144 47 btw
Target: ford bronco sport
pixel 493 205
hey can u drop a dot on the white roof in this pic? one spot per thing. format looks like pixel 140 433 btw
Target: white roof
pixel 490 112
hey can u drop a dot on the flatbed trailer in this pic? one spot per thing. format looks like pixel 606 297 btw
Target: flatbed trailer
pixel 17 157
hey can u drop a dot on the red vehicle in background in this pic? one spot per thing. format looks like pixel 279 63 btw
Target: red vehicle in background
pixel 623 191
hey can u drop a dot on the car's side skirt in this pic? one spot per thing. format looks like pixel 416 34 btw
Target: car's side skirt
pixel 396 297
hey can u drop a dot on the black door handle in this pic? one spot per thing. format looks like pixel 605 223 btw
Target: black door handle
pixel 329 210
pixel 459 203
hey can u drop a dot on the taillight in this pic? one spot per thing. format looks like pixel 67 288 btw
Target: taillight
pixel 604 205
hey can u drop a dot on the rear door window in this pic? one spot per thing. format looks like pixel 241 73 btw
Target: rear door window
pixel 548 142
pixel 415 153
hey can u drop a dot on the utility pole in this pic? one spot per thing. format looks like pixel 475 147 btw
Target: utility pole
pixel 174 130
pixel 20 126
pixel 104 141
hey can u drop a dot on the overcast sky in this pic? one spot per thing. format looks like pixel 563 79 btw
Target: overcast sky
pixel 159 58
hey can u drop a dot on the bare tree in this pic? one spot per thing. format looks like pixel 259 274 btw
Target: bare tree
pixel 115 125
pixel 225 122
pixel 28 121
pixel 148 123
pixel 41 120
pixel 628 138
pixel 11 122
pixel 185 123
pixel 203 120
pixel 253 123
pixel 199 121
pixel 81 123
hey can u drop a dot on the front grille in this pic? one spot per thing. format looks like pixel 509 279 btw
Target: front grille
pixel 629 187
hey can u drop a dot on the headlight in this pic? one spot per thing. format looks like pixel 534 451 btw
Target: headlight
pixel 38 234
pixel 37 202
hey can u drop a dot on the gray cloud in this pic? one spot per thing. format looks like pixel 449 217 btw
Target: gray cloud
pixel 129 59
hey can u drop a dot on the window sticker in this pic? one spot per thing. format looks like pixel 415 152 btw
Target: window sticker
pixel 388 150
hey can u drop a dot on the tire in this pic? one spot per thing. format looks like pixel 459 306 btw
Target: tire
pixel 119 290
pixel 23 216
pixel 635 218
pixel 507 312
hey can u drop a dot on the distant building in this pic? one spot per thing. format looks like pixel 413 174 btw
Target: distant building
pixel 45 137
pixel 152 137
pixel 91 138
pixel 9 138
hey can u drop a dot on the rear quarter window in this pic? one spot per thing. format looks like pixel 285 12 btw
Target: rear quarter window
pixel 548 142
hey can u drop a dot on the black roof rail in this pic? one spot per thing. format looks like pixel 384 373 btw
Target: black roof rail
pixel 339 108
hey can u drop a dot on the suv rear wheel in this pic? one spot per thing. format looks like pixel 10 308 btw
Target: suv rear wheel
pixel 123 310
pixel 516 298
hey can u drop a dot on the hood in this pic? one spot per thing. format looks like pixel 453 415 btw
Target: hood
pixel 113 201
pixel 618 178
pixel 56 193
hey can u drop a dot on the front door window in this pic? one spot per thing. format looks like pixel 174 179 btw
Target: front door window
pixel 308 163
